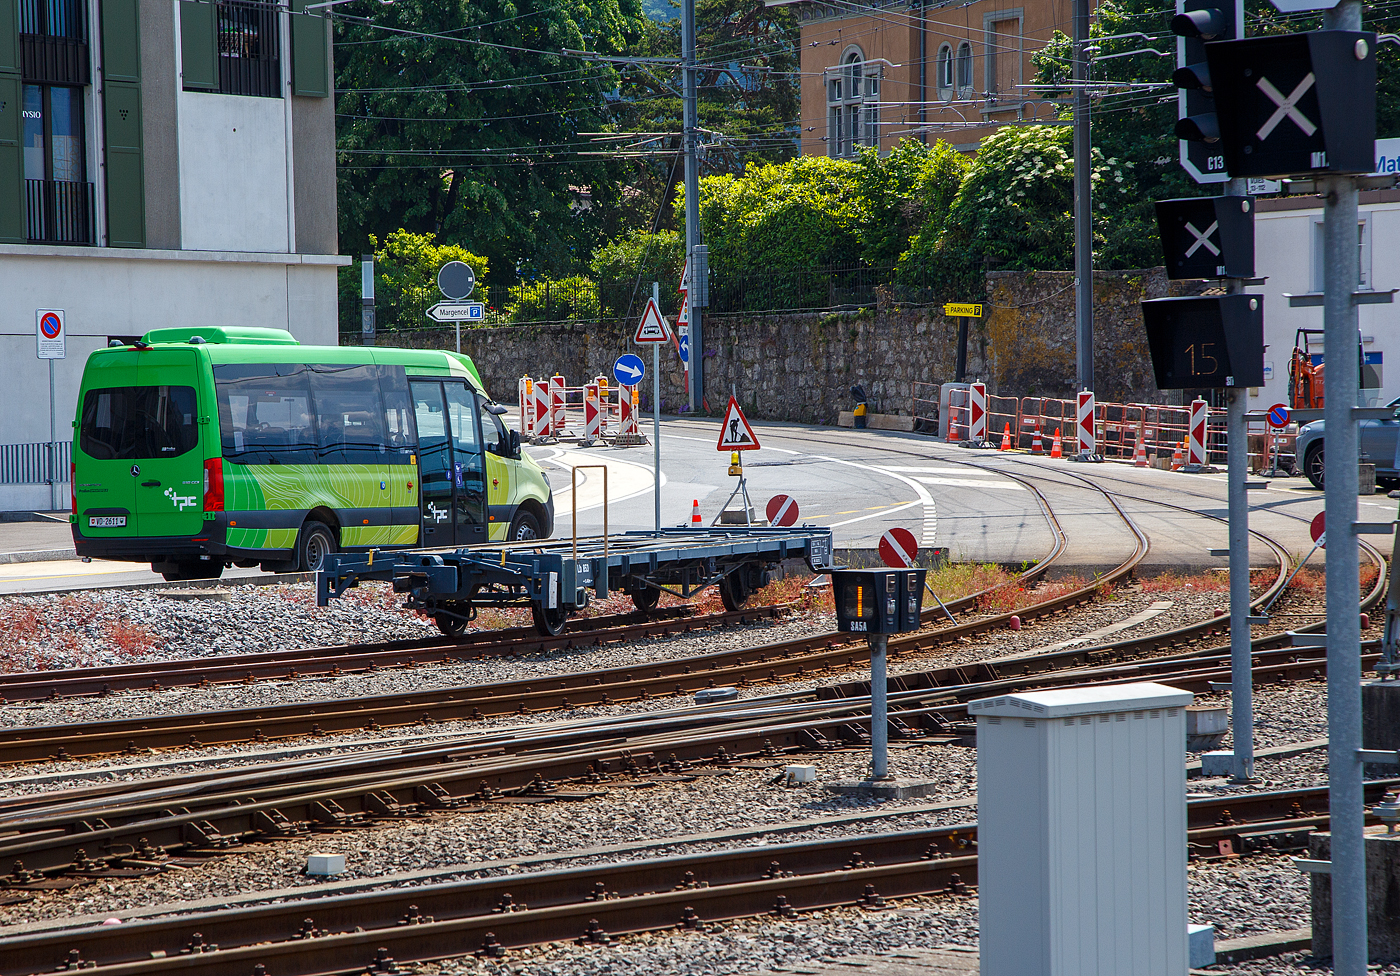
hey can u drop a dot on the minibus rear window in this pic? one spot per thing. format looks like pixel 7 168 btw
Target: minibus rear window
pixel 129 423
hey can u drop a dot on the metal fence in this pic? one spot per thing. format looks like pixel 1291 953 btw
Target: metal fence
pixel 59 212
pixel 30 464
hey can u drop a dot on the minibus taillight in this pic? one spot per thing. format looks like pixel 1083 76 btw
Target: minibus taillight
pixel 214 485
pixel 73 485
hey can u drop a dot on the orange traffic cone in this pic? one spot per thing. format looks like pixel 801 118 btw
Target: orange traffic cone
pixel 1177 461
pixel 1005 438
pixel 695 513
pixel 1036 446
pixel 1056 449
pixel 1140 455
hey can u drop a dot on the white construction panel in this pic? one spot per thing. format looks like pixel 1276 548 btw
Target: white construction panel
pixel 1082 832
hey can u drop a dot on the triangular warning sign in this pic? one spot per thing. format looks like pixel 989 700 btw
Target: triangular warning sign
pixel 736 434
pixel 653 327
pixel 685 277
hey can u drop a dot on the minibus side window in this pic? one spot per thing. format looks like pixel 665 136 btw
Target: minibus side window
pixel 265 413
pixel 349 415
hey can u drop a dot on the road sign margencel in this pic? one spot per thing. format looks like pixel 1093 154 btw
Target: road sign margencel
pixel 735 434
pixel 1278 415
pixel 782 510
pixel 652 327
pixel 629 369
pixel 898 548
pixel 458 312
pixel 1318 529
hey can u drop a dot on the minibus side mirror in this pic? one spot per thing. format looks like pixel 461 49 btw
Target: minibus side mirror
pixel 514 444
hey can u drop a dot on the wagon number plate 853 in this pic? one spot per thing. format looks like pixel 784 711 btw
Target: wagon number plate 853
pixel 106 521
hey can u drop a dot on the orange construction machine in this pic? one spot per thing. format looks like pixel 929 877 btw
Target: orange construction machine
pixel 1305 381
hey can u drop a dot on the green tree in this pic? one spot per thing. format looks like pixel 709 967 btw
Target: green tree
pixel 748 100
pixel 474 134
pixel 405 280
pixel 626 267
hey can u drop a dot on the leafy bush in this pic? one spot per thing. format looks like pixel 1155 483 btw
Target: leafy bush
pixel 567 299
pixel 405 279
pixel 626 267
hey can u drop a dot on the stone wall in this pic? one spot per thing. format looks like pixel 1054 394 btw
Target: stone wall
pixel 801 366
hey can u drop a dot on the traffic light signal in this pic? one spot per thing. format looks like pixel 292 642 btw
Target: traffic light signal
pixel 1211 342
pixel 1296 104
pixel 1207 237
pixel 1196 23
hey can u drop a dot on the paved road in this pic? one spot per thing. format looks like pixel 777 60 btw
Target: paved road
pixel 861 483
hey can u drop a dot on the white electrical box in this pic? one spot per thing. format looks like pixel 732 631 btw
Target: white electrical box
pixel 1081 831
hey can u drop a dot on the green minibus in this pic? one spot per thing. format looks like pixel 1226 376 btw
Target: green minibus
pixel 199 448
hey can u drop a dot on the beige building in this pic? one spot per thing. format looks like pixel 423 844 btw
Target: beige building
pixel 873 74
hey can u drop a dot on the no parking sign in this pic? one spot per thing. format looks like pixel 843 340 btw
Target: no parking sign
pixel 51 333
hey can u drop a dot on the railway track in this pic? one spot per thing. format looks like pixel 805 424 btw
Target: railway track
pixel 333 660
pixel 334 931
pixel 117 825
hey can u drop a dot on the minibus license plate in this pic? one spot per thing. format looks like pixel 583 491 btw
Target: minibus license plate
pixel 107 522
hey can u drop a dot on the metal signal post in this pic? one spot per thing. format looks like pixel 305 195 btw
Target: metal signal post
pixel 690 135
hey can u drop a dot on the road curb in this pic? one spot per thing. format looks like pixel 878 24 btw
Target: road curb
pixel 36 556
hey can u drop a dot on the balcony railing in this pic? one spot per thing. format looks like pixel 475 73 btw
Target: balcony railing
pixel 249 49
pixel 54 18
pixel 59 212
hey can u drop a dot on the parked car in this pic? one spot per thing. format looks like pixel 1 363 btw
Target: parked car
pixel 1379 441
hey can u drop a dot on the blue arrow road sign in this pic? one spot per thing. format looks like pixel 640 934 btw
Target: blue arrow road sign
pixel 629 370
pixel 685 348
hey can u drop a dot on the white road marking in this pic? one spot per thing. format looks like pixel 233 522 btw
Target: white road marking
pixel 930 509
pixel 966 472
pixel 881 514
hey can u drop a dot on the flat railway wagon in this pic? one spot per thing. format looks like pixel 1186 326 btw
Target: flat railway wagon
pixel 555 578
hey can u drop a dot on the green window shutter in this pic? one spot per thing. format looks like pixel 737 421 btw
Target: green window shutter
pixel 126 204
pixel 121 40
pixel 199 45
pixel 310 53
pixel 12 218
pixel 9 37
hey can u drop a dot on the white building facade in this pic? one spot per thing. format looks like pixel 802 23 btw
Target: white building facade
pixel 1288 252
pixel 162 162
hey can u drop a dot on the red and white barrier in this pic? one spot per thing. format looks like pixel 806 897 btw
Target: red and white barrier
pixel 557 399
pixel 626 411
pixel 1196 451
pixel 592 413
pixel 1084 425
pixel 526 395
pixel 542 411
pixel 977 413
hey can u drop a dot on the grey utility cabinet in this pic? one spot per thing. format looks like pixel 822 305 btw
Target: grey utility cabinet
pixel 1081 831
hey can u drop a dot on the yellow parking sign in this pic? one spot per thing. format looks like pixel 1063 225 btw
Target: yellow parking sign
pixel 960 308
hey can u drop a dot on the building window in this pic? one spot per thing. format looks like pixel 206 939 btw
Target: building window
pixel 53 18
pixel 249 49
pixel 964 69
pixel 58 196
pixel 943 72
pixel 1363 256
pixel 853 105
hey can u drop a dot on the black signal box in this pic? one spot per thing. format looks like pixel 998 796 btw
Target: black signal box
pixel 1212 342
pixel 1296 104
pixel 1207 237
pixel 878 601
